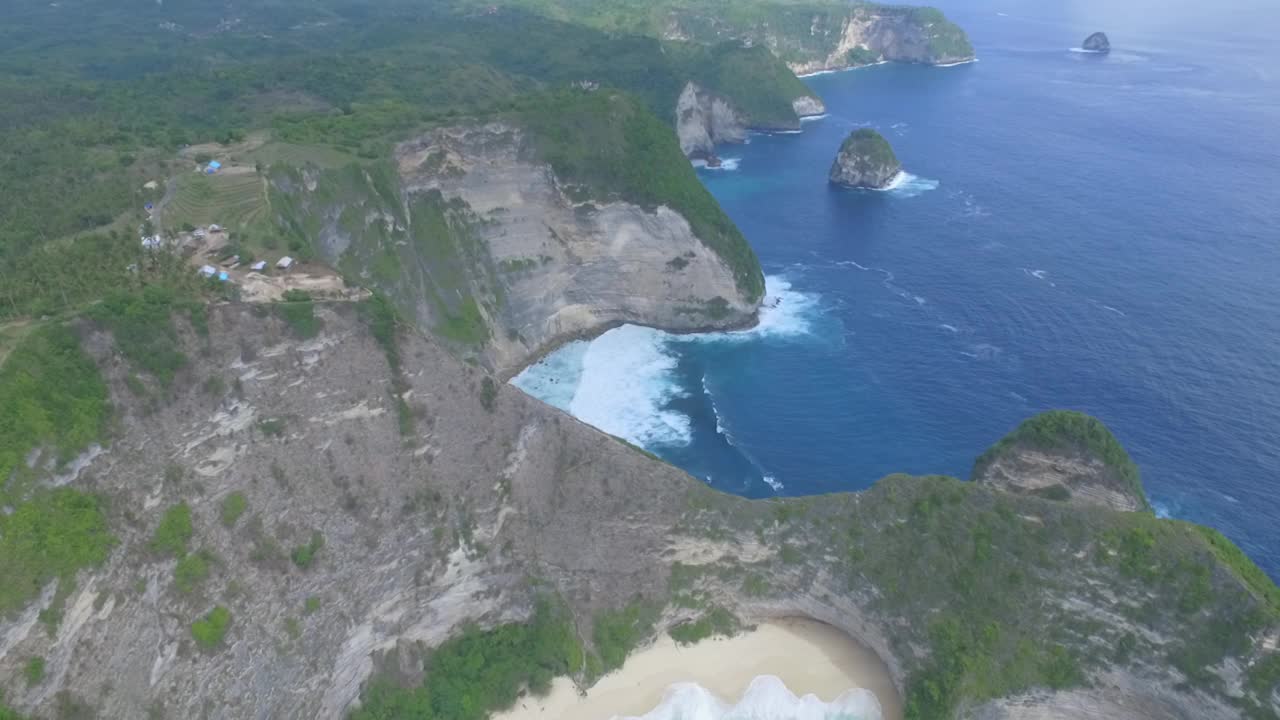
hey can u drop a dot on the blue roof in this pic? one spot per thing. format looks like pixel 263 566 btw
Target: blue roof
pixel 215 164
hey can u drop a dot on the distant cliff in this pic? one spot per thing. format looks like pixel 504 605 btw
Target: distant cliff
pixel 812 38
pixel 508 236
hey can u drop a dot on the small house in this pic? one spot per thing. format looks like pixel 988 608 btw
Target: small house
pixel 152 242
pixel 284 263
pixel 208 271
pixel 215 228
pixel 214 166
pixel 199 233
pixel 259 266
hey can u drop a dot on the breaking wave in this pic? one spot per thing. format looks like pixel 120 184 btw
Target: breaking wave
pixel 623 382
pixel 726 164
pixel 767 698
pixel 907 185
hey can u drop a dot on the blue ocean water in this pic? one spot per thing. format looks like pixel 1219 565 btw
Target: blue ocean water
pixel 1077 231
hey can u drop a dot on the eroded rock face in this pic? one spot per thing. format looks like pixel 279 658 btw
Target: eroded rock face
pixel 808 106
pixel 704 119
pixel 842 41
pixel 865 160
pixel 1074 477
pixel 1097 42
pixel 568 267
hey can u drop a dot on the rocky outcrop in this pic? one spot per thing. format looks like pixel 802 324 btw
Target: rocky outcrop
pixel 808 106
pixel 1064 456
pixel 704 119
pixel 1097 42
pixel 865 160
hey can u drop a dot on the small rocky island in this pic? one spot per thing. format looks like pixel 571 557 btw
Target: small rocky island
pixel 865 160
pixel 1097 42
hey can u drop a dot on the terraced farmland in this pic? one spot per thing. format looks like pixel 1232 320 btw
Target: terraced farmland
pixel 234 199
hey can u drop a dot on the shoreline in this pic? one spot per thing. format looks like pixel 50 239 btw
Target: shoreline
pixel 810 657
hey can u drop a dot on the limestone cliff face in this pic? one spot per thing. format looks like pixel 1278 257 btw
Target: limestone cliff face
pixel 869 33
pixel 477 240
pixel 812 39
pixel 704 119
pixel 1064 456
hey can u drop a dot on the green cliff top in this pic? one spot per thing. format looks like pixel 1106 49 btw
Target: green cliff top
pixel 871 145
pixel 1070 431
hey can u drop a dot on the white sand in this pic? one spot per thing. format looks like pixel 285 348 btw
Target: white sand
pixel 808 656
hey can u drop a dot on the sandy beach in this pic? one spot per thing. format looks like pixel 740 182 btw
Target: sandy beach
pixel 809 657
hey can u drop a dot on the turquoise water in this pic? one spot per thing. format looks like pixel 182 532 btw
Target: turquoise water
pixel 1091 232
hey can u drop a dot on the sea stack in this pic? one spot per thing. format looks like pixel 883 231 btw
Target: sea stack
pixel 865 160
pixel 1097 42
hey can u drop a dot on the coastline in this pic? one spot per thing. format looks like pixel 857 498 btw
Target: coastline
pixel 808 656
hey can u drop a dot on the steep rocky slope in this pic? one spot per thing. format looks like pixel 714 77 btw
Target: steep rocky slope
pixel 510 236
pixel 390 493
pixel 1067 456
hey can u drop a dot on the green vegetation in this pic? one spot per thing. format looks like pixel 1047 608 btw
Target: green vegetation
pixel 49 536
pixel 34 670
pixel 210 630
pixel 488 393
pixel 191 571
pixel 614 148
pixel 52 397
pixel 233 506
pixel 978 576
pixel 312 605
pixel 304 556
pixel 272 427
pixel 717 621
pixel 1069 431
pixel 174 531
pixel 297 310
pixel 870 147
pixel 482 671
pixel 143 329
pixel 862 55
pixel 616 633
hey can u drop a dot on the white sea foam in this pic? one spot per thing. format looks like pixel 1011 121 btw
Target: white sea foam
pixel 773 482
pixel 554 379
pixel 729 163
pixel 949 328
pixel 623 381
pixel 767 698
pixel 811 118
pixel 1085 52
pixel 906 185
pixel 626 382
pixel 962 62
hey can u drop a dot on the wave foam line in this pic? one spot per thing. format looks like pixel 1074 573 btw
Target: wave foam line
pixel 906 185
pixel 767 698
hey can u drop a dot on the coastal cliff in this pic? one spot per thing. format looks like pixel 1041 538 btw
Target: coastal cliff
pixel 816 38
pixel 865 160
pixel 1065 456
pixel 736 88
pixel 507 237
pixel 321 497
